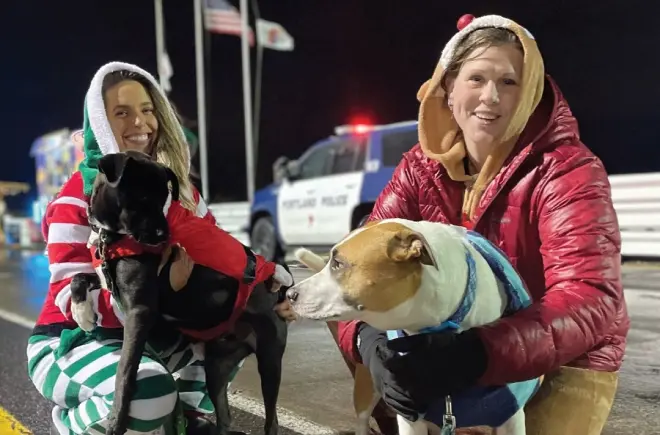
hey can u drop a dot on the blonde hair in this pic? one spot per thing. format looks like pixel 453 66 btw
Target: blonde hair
pixel 172 152
pixel 170 147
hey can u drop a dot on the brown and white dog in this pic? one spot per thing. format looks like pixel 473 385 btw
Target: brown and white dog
pixel 399 274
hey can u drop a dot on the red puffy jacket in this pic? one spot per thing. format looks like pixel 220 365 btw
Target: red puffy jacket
pixel 550 210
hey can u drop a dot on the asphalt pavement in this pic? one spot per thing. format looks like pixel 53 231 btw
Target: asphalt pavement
pixel 316 393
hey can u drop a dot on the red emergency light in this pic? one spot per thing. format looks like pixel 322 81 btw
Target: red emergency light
pixel 362 128
pixel 353 129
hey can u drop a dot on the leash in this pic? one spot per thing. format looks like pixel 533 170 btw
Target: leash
pixel 179 418
pixel 453 323
pixel 448 420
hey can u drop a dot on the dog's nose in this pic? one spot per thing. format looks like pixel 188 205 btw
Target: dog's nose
pixel 292 295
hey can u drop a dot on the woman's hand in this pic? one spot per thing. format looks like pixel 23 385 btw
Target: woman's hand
pixel 285 311
pixel 181 268
pixel 417 370
pixel 432 365
pixel 372 346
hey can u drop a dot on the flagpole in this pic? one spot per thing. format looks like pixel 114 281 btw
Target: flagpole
pixel 257 83
pixel 160 41
pixel 247 100
pixel 208 71
pixel 201 96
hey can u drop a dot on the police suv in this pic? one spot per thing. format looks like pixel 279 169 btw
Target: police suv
pixel 317 199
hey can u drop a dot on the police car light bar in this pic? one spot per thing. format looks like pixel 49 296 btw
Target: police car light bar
pixel 366 128
pixel 353 129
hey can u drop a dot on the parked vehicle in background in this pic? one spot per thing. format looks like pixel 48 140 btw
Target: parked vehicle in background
pixel 318 198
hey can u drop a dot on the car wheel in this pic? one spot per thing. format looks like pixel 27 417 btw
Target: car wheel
pixel 263 238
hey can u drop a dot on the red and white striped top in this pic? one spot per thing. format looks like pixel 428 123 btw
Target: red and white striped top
pixel 66 231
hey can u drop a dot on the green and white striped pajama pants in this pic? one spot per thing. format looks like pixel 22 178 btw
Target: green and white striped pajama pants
pixel 77 372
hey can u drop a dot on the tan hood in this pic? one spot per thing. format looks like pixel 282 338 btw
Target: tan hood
pixel 439 135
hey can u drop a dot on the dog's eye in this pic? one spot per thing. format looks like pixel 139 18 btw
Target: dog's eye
pixel 335 264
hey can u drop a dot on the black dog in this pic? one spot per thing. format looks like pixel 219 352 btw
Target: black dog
pixel 128 200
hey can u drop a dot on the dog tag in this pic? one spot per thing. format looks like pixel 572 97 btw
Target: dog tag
pixel 448 420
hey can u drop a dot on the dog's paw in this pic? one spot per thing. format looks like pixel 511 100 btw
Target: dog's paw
pixel 84 315
pixel 282 276
pixel 315 262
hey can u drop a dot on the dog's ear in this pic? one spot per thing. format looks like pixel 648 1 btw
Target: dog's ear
pixel 406 245
pixel 172 178
pixel 112 166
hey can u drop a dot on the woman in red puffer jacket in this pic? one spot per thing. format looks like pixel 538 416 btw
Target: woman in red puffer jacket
pixel 500 153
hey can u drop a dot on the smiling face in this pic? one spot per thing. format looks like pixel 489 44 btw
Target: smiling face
pixel 484 94
pixel 131 115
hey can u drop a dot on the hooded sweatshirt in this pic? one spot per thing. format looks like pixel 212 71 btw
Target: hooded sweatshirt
pixel 66 229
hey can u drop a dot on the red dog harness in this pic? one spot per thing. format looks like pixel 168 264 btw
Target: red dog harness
pixel 207 245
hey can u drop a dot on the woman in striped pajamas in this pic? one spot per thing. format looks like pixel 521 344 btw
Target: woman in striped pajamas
pixel 124 109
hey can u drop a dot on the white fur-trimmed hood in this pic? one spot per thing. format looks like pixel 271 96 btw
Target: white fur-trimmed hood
pixel 98 118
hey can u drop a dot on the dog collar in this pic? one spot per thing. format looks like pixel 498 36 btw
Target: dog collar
pixel 455 320
pixel 516 292
pixel 464 307
pixel 517 296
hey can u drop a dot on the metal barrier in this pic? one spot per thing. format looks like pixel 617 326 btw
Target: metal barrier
pixel 636 200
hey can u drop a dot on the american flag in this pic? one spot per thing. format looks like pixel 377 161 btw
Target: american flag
pixel 222 17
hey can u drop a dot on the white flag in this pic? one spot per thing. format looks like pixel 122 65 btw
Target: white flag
pixel 165 72
pixel 273 35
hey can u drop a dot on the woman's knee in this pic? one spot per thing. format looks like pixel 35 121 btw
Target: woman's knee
pixel 571 400
pixel 154 396
pixel 41 359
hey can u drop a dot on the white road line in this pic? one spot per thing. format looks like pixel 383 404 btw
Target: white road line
pixel 16 319
pixel 286 418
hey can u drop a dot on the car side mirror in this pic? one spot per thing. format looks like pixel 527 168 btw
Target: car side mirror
pixel 293 170
pixel 285 169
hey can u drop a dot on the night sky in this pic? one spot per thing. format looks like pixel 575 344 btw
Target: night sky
pixel 354 59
